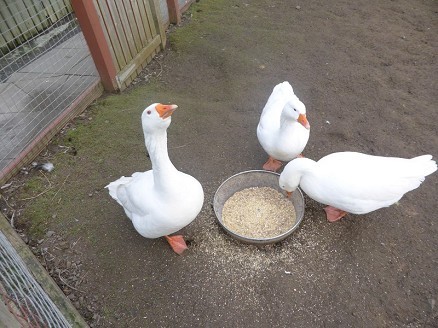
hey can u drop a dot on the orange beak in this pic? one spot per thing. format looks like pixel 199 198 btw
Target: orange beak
pixel 288 194
pixel 165 110
pixel 303 120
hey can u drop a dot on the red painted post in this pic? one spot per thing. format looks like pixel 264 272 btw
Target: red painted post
pixel 88 18
pixel 174 12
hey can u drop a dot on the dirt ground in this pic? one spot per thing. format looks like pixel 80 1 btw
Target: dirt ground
pixel 367 73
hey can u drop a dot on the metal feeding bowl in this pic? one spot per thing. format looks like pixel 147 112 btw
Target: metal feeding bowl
pixel 255 178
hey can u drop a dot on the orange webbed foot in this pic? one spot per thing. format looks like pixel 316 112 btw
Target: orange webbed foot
pixel 272 164
pixel 334 214
pixel 177 243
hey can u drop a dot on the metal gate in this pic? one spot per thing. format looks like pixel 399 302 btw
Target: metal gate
pixel 47 76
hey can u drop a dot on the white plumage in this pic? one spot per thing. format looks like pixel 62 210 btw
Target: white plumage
pixel 163 200
pixel 283 129
pixel 355 182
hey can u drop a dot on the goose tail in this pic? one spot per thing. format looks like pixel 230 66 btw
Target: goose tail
pixel 284 88
pixel 423 166
pixel 277 98
pixel 114 186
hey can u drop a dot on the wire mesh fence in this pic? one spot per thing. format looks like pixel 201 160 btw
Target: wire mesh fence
pixel 26 301
pixel 41 74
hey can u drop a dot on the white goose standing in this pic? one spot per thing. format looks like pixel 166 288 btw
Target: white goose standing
pixel 163 200
pixel 283 129
pixel 350 182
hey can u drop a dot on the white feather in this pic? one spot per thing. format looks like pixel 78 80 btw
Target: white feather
pixel 357 183
pixel 278 131
pixel 163 200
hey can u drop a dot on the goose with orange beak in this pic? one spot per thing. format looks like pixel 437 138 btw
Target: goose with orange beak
pixel 351 182
pixel 283 129
pixel 163 200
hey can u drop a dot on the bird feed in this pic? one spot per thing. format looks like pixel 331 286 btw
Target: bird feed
pixel 258 212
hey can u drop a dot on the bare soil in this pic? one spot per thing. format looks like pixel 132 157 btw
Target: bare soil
pixel 367 73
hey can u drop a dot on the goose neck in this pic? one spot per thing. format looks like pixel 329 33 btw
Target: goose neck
pixel 162 167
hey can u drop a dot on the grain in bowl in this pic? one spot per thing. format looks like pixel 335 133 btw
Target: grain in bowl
pixel 258 212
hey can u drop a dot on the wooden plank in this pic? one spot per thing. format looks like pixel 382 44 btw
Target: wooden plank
pixel 9 317
pixel 186 6
pixel 41 276
pixel 27 20
pixel 3 45
pixel 7 35
pixel 125 73
pixel 147 5
pixel 174 12
pixel 62 12
pixel 35 11
pixel 11 26
pixel 110 34
pixel 57 10
pixel 155 7
pixel 126 32
pixel 66 6
pixel 139 25
pixel 151 21
pixel 42 15
pixel 129 7
pixel 127 10
pixel 143 26
pixel 87 15
pixel 124 35
pixel 118 31
pixel 35 18
pixel 145 20
pixel 49 11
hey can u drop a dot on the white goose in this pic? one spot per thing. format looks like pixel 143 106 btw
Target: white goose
pixel 283 129
pixel 163 200
pixel 350 182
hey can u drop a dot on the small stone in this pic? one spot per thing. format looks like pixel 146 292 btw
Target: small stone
pixel 298 7
pixel 50 233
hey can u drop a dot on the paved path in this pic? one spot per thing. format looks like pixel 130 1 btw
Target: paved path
pixel 35 94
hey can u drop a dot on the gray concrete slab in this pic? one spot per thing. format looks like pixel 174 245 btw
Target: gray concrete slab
pixel 33 96
pixel 12 98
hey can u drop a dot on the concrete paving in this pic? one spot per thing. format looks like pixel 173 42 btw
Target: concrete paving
pixel 35 94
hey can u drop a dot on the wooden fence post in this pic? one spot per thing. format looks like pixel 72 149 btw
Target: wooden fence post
pixel 174 12
pixel 88 18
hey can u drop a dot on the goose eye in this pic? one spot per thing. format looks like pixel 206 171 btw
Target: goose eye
pixel 149 112
pixel 295 109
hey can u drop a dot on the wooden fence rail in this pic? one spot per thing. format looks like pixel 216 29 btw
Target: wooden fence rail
pixel 125 39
